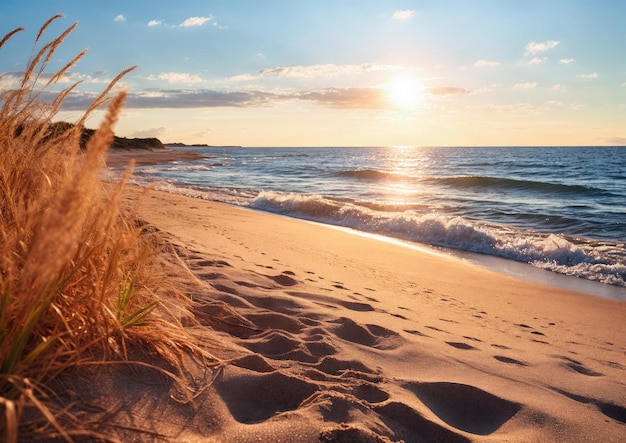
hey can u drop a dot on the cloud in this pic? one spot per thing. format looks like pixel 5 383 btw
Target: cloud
pixel 558 87
pixel 527 85
pixel 372 98
pixel 155 23
pixel 10 80
pixel 533 47
pixel 120 18
pixel 566 61
pixel 344 98
pixel 195 21
pixel 177 99
pixel 176 77
pixel 446 90
pixel 152 132
pixel 327 70
pixel 537 60
pixel 486 63
pixel 588 76
pixel 403 14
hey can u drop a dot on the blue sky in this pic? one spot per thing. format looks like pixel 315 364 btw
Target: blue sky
pixel 343 72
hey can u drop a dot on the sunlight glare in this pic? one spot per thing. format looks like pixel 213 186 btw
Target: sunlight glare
pixel 404 92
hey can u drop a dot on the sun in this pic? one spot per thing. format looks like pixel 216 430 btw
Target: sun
pixel 404 92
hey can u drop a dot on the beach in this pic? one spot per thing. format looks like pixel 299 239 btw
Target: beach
pixel 329 335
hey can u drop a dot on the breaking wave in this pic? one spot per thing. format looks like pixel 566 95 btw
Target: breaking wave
pixel 592 260
pixel 520 185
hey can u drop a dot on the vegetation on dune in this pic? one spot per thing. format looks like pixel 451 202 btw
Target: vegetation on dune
pixel 78 275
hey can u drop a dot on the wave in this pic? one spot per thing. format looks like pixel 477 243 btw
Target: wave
pixel 557 253
pixel 370 174
pixel 517 184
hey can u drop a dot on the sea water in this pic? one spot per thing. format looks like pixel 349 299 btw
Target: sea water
pixel 561 209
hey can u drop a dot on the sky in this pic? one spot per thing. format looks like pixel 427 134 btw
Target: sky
pixel 341 72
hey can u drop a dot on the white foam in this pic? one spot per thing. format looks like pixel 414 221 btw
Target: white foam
pixel 553 252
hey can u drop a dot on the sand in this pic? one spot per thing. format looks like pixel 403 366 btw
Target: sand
pixel 337 337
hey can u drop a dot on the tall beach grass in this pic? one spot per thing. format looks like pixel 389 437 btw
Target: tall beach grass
pixel 79 277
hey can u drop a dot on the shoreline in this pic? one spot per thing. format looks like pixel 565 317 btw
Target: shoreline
pixel 356 336
pixel 512 268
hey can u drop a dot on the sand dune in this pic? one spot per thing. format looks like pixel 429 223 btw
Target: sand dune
pixel 336 337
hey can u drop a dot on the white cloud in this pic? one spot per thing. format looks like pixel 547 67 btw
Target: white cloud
pixel 537 61
pixel 329 70
pixel 195 21
pixel 566 61
pixel 485 63
pixel 10 80
pixel 403 15
pixel 120 18
pixel 534 47
pixel 177 77
pixel 589 76
pixel 155 23
pixel 558 87
pixel 527 85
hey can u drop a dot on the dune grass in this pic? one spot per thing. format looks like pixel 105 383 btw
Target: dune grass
pixel 79 277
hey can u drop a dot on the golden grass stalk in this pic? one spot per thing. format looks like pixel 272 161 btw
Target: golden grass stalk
pixel 77 274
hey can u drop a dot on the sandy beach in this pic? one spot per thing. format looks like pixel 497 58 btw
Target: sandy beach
pixel 332 336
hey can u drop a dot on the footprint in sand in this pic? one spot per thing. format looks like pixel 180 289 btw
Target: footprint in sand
pixel 211 276
pixel 611 410
pixel 434 328
pixel 347 369
pixel 215 263
pixel 414 426
pixel 284 279
pixel 254 362
pixel 368 335
pixel 467 337
pixel 271 393
pixel 578 367
pixel 370 393
pixel 280 346
pixel 460 345
pixel 465 407
pixel 332 302
pixel 509 360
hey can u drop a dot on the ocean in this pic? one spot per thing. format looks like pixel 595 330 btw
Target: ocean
pixel 558 209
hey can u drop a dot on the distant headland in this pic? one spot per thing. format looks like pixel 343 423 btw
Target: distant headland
pixel 198 145
pixel 122 143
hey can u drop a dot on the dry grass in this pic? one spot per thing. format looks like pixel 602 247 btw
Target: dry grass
pixel 79 278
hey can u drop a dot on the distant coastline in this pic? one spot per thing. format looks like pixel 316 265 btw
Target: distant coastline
pixel 198 145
